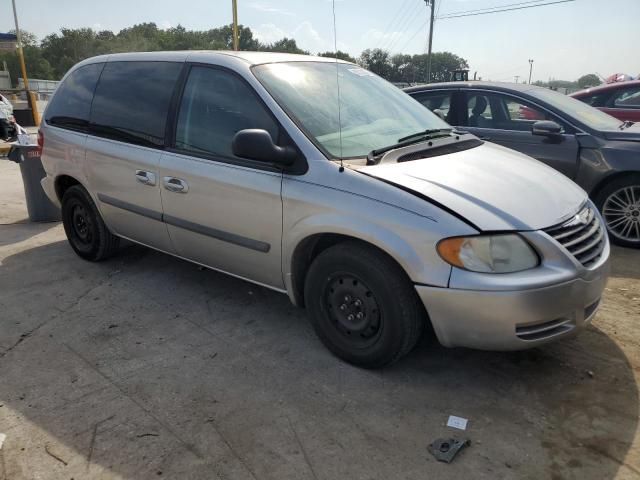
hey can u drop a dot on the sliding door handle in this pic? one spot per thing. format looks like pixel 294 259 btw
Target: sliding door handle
pixel 146 178
pixel 174 184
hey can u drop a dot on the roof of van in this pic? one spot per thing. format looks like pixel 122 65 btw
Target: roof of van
pixel 252 58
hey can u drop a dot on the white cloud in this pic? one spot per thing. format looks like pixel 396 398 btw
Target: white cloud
pixel 96 27
pixel 165 24
pixel 264 7
pixel 306 37
pixel 268 33
pixel 385 40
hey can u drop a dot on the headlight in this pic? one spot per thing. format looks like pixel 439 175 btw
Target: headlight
pixel 502 253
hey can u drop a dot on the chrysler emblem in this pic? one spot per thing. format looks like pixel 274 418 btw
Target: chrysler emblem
pixel 581 218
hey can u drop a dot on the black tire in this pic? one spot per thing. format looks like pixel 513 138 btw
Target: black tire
pixel 87 234
pixel 614 219
pixel 392 317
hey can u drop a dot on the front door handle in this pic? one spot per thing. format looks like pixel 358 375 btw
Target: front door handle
pixel 146 178
pixel 174 184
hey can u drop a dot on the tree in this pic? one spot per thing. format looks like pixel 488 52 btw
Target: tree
pixel 37 65
pixel 285 45
pixel 403 69
pixel 378 61
pixel 58 52
pixel 28 39
pixel 589 80
pixel 339 55
pixel 443 64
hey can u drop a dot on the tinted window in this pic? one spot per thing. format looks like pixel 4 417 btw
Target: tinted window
pixel 71 104
pixel 438 102
pixel 504 112
pixel 629 98
pixel 132 101
pixel 479 111
pixel 589 116
pixel 215 106
pixel 594 100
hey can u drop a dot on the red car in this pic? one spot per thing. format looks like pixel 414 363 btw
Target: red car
pixel 619 99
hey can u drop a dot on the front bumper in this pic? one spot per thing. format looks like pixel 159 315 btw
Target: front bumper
pixel 497 318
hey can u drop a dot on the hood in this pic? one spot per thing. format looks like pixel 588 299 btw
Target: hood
pixel 631 134
pixel 492 187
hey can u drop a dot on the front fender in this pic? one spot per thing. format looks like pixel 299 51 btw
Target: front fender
pixel 409 238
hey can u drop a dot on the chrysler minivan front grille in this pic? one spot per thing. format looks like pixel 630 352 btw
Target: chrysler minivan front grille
pixel 583 236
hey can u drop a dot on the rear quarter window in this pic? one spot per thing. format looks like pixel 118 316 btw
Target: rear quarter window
pixel 70 106
pixel 132 100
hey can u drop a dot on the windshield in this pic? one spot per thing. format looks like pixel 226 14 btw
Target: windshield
pixel 586 114
pixel 373 113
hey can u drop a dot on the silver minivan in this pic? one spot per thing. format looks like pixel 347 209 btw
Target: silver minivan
pixel 318 179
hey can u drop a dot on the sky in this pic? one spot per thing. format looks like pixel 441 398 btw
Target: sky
pixel 564 40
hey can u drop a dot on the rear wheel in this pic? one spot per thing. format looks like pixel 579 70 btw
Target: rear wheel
pixel 619 204
pixel 362 305
pixel 87 234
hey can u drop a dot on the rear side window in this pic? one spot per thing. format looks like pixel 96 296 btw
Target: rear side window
pixel 439 102
pixel 131 102
pixel 215 106
pixel 71 103
pixel 629 98
pixel 594 100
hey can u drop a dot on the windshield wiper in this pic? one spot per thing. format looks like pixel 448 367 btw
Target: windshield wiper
pixel 372 157
pixel 626 124
pixel 429 133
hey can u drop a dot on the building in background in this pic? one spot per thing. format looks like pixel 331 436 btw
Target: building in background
pixel 8 42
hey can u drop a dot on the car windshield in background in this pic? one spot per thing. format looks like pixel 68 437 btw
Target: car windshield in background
pixel 586 114
pixel 373 113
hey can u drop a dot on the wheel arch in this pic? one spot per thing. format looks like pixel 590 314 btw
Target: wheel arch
pixel 309 247
pixel 602 184
pixel 63 182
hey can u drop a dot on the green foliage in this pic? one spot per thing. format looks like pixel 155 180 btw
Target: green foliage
pixel 285 45
pixel 378 61
pixel 37 65
pixel 58 52
pixel 411 68
pixel 339 55
pixel 589 80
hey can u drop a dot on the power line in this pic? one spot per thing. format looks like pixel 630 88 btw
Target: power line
pixel 494 7
pixel 414 35
pixel 399 16
pixel 439 5
pixel 447 17
pixel 406 26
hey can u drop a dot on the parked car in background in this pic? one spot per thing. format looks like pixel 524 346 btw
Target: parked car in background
pixel 599 152
pixel 379 218
pixel 620 99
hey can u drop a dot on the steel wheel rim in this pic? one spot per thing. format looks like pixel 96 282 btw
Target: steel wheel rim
pixel 353 310
pixel 621 212
pixel 82 226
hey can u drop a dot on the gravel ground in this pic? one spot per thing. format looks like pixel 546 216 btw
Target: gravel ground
pixel 146 366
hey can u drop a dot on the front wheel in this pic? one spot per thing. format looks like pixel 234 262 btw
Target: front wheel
pixel 619 204
pixel 362 305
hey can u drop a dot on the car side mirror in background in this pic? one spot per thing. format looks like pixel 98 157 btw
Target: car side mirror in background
pixel 546 128
pixel 257 144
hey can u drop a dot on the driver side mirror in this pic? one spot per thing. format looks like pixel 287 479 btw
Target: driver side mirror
pixel 257 144
pixel 546 128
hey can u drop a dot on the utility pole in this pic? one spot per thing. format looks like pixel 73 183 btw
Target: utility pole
pixel 432 4
pixel 530 69
pixel 236 42
pixel 23 67
pixel 516 77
